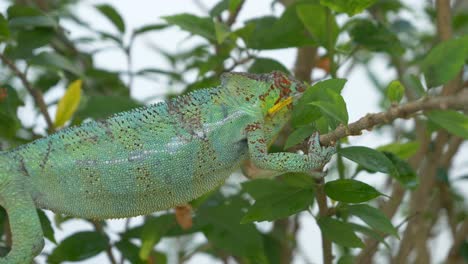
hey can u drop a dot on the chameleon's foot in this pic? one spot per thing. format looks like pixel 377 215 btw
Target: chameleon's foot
pixel 319 155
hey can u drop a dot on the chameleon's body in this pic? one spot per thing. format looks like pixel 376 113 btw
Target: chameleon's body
pixel 149 159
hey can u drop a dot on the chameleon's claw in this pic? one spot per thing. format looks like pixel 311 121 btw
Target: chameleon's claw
pixel 320 153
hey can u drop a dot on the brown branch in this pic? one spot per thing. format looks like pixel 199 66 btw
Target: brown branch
pixel 233 15
pixel 454 255
pixel 305 62
pixel 36 94
pixel 458 102
pixel 444 19
pixel 323 212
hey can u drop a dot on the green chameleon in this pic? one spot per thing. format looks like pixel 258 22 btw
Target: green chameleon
pixel 151 158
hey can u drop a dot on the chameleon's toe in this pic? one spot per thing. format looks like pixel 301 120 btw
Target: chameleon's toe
pixel 318 152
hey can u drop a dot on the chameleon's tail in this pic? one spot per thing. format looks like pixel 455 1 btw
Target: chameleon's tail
pixel 24 222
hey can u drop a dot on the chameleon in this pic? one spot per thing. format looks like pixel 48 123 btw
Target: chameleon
pixel 151 158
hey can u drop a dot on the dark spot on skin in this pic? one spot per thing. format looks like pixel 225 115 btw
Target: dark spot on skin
pixel 224 110
pixel 23 167
pixel 252 127
pixel 107 128
pixel 46 157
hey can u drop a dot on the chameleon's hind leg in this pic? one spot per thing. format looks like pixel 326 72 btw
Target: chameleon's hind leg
pixel 25 226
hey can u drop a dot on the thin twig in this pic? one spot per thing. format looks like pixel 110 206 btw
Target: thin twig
pixel 36 94
pixel 233 15
pixel 240 62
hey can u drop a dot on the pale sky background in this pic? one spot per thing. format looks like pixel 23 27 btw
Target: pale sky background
pixel 359 94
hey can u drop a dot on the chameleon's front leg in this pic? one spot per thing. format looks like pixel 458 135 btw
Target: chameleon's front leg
pixel 25 226
pixel 285 161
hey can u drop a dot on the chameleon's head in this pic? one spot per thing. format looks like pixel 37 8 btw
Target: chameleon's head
pixel 274 92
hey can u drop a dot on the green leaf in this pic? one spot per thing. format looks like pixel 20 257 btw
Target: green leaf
pixel 4 31
pixel 68 103
pixel 334 106
pixel 281 200
pixel 154 72
pixel 56 62
pixel 346 259
pixel 339 232
pixel 445 61
pixel 375 37
pixel 99 82
pixel 273 245
pixel 46 226
pixel 395 91
pixel 402 150
pixel 9 103
pixel 46 80
pixel 370 233
pixel 275 33
pixel 153 230
pixel 14 11
pixel 202 26
pixel 314 17
pixel 298 136
pixel 373 217
pixel 221 31
pixel 368 158
pixel 304 112
pixel 223 229
pixel 79 246
pixel 267 65
pixel 29 40
pixel 148 28
pixel 129 251
pixel 464 250
pixel 33 22
pixel 351 7
pixel 219 8
pixel 110 13
pixel 416 86
pixel 22 16
pixel 406 175
pixel 453 121
pixel 350 191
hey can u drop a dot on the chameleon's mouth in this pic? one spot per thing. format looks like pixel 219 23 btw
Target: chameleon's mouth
pixel 280 105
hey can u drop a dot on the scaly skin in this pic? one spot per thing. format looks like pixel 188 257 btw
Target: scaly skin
pixel 152 158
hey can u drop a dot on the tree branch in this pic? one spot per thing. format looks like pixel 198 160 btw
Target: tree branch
pixel 323 212
pixel 458 102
